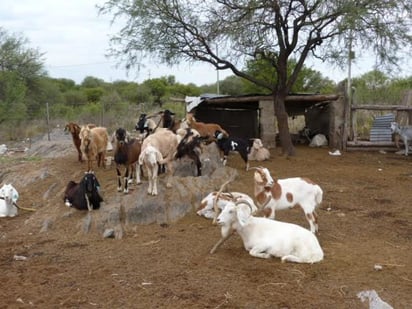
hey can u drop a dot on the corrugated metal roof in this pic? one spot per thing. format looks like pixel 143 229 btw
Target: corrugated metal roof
pixel 381 128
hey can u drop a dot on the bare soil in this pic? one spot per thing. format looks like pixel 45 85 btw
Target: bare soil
pixel 365 222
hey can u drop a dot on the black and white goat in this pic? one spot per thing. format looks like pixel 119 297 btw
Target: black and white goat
pixel 227 144
pixel 190 146
pixel 85 194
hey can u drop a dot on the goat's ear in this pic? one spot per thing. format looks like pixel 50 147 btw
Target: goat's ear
pixel 243 213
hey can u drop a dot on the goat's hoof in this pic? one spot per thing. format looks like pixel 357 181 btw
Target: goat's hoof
pixel 119 189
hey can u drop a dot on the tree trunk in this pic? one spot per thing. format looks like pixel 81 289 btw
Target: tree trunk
pixel 283 126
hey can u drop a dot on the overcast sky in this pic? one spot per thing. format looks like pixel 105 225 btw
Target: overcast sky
pixel 75 40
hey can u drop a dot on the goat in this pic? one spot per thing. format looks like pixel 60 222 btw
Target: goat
pixel 8 200
pixel 190 146
pixel 206 130
pixel 207 204
pixel 145 125
pixel 286 193
pixel 228 144
pixel 126 153
pixel 375 302
pixel 85 194
pixel 94 143
pixel 258 152
pixel 163 146
pixel 405 132
pixel 264 238
pixel 74 130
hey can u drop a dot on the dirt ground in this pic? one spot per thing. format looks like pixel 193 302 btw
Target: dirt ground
pixel 365 222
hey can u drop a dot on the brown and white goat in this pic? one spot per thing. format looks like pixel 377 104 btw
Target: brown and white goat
pixel 206 130
pixel 94 143
pixel 272 195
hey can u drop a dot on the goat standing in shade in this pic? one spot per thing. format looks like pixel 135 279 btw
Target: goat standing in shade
pixel 228 144
pixel 85 194
pixel 126 153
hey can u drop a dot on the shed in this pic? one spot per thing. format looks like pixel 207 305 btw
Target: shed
pixel 252 116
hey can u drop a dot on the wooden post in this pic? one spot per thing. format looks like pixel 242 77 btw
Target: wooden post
pixel 48 121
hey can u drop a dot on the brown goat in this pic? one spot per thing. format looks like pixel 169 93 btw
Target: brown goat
pixel 74 130
pixel 94 144
pixel 206 130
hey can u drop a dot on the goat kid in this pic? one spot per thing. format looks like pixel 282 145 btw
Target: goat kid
pixel 85 194
pixel 228 144
pixel 405 132
pixel 265 238
pixel 126 153
pixel 8 200
pixel 272 195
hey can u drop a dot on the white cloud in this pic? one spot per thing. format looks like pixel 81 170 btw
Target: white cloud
pixel 75 40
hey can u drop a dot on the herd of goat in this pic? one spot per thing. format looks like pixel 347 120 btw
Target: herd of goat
pixel 155 148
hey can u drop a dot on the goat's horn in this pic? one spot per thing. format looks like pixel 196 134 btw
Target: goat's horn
pixel 215 208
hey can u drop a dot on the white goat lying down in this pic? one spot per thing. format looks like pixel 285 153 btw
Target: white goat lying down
pixel 207 209
pixel 404 132
pixel 272 195
pixel 258 152
pixel 8 199
pixel 265 238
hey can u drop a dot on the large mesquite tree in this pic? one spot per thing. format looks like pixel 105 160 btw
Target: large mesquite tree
pixel 227 33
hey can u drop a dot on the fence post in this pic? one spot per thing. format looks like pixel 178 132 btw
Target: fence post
pixel 48 121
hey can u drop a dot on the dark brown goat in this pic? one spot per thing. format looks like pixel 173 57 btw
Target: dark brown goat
pixel 85 194
pixel 126 153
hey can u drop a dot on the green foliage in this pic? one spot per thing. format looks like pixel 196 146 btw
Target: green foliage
pixel 93 95
pixel 12 94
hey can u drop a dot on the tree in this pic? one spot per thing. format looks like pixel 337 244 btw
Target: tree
pixel 270 30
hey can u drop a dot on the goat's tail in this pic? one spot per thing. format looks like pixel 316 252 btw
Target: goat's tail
pixel 319 196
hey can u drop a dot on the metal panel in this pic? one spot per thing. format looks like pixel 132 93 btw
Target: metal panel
pixel 381 129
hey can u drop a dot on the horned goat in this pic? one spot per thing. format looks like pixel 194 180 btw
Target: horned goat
pixel 258 152
pixel 272 195
pixel 265 238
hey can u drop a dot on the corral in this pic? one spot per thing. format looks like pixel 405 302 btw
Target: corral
pixel 364 224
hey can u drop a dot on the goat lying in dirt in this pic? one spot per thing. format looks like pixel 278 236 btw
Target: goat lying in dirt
pixel 265 238
pixel 85 194
pixel 258 152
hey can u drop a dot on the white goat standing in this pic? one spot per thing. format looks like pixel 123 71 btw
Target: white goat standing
pixel 258 152
pixel 264 238
pixel 8 199
pixel 404 132
pixel 286 193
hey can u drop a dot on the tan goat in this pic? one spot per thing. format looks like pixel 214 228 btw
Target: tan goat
pixel 94 143
pixel 206 130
